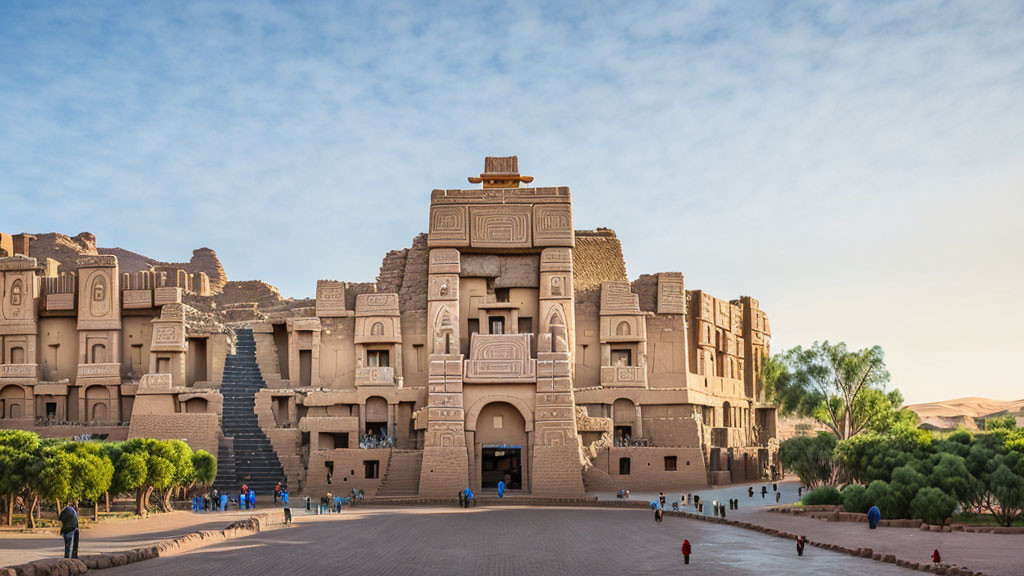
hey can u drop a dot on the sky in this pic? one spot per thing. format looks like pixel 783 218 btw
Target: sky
pixel 857 167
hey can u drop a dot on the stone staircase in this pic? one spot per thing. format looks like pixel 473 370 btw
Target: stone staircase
pixel 226 479
pixel 402 478
pixel 246 447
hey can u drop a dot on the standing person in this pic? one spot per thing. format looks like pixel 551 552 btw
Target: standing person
pixel 800 543
pixel 287 510
pixel 686 551
pixel 873 517
pixel 69 530
pixel 462 498
pixel 252 498
pixel 936 557
pixel 764 491
pixel 778 496
pixel 661 499
pixel 223 502
pixel 277 492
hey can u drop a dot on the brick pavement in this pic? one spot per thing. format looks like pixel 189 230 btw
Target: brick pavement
pixel 993 554
pixel 445 541
pixel 113 534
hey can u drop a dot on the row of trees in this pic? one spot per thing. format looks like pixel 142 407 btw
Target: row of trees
pixel 35 471
pixel 873 448
pixel 909 473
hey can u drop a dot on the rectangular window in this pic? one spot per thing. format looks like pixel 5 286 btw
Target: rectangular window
pixel 501 294
pixel 473 326
pixel 378 358
pixel 622 357
pixel 496 324
pixel 420 357
pixel 371 469
pixel 330 470
pixel 670 464
pixel 623 466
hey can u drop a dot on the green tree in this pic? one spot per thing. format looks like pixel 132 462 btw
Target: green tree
pixel 855 498
pixel 92 471
pixel 1006 487
pixel 17 449
pixel 880 494
pixel 142 468
pixel 205 465
pixel 932 505
pixel 1004 422
pixel 950 475
pixel 842 389
pixel 810 457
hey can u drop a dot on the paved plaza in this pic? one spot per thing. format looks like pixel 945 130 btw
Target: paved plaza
pixel 446 541
pixel 112 535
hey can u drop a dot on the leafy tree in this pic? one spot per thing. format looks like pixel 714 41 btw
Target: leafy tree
pixel 179 455
pixel 950 475
pixel 855 498
pixel 144 470
pixel 906 481
pixel 932 505
pixel 92 471
pixel 205 465
pixel 842 389
pixel 810 457
pixel 1007 490
pixel 1004 422
pixel 17 449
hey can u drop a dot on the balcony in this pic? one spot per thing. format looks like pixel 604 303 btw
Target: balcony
pixel 19 372
pixel 624 376
pixel 375 376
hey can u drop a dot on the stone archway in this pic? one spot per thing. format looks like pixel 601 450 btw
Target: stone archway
pixel 502 431
pixel 12 402
pixel 97 403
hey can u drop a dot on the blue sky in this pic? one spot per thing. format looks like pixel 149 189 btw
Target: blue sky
pixel 858 167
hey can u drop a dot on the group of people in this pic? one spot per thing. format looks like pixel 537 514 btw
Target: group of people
pixel 626 441
pixel 467 498
pixel 368 441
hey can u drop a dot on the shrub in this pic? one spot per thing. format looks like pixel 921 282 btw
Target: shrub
pixel 826 495
pixel 855 498
pixel 881 494
pixel 932 505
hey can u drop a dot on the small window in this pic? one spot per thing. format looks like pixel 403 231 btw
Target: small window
pixel 378 358
pixel 670 464
pixel 623 466
pixel 499 422
pixel 51 409
pixel 377 329
pixel 501 294
pixel 622 329
pixel 496 324
pixel 330 471
pixel 622 357
pixel 371 469
pixel 525 325
pixel 473 326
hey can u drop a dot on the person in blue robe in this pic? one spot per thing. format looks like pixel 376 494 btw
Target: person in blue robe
pixel 874 516
pixel 501 488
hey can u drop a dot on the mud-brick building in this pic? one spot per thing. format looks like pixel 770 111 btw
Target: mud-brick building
pixel 502 346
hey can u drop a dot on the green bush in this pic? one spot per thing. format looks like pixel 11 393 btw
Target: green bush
pixel 826 495
pixel 881 494
pixel 932 505
pixel 855 498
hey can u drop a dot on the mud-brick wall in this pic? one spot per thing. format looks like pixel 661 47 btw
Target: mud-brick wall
pixel 349 471
pixel 286 442
pixel 557 472
pixel 197 430
pixel 647 468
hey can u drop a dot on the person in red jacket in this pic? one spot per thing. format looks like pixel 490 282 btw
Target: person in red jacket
pixel 936 557
pixel 686 551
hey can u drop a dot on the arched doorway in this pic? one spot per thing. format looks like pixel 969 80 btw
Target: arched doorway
pixel 502 447
pixel 97 402
pixel 12 402
pixel 727 415
pixel 624 421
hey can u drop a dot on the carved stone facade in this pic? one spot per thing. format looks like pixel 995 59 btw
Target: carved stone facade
pixel 503 346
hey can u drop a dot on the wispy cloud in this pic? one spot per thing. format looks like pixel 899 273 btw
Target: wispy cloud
pixel 857 166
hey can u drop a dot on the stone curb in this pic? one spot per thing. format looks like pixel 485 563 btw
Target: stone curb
pixel 947 569
pixel 172 547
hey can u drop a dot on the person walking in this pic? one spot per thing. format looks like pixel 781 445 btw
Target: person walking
pixel 874 517
pixel 778 496
pixel 277 492
pixel 800 543
pixel 936 557
pixel 69 530
pixel 686 551
pixel 661 499
pixel 287 510
pixel 750 491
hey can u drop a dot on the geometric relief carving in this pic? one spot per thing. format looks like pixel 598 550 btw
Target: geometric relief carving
pixel 137 299
pixel 617 298
pixel 559 435
pixel 444 261
pixel 174 311
pixel 556 260
pixel 448 226
pixel 164 335
pixel 383 304
pixel 723 314
pixel 330 299
pixel 555 285
pixel 671 296
pixel 552 225
pixel 500 226
pixel 707 307
pixel 99 304
pixel 737 318
pixel 500 358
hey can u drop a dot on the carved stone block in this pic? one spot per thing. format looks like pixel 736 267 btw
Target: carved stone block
pixel 166 295
pixel 383 304
pixel 443 287
pixel 556 260
pixel 500 358
pixel 500 226
pixel 133 299
pixel 449 226
pixel 330 299
pixel 552 225
pixel 671 294
pixel 617 298
pixel 444 261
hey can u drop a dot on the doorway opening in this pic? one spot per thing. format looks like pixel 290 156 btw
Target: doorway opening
pixel 501 464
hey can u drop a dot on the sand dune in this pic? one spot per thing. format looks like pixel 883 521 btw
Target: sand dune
pixel 966 412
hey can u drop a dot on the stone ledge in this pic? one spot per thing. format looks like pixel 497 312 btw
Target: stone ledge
pixel 181 544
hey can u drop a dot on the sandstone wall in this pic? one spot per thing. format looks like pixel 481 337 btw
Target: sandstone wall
pixel 199 431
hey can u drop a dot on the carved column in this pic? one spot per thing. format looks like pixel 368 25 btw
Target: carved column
pixel 555 444
pixel 445 454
